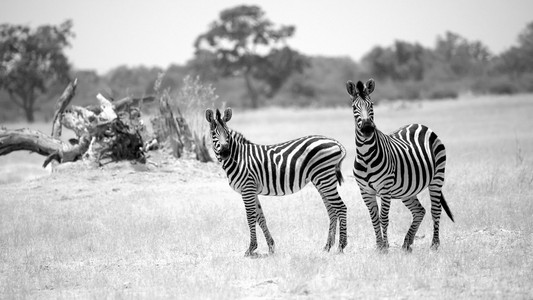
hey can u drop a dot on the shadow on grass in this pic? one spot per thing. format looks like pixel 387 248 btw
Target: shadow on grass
pixel 260 255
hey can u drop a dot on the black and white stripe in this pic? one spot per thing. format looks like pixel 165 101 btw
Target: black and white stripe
pixel 279 169
pixel 396 166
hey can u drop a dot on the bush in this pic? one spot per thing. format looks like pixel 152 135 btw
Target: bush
pixel 193 98
pixel 440 91
pixel 410 91
pixel 503 88
pixel 442 94
pixel 526 82
pixel 501 85
pixel 181 126
pixel 393 90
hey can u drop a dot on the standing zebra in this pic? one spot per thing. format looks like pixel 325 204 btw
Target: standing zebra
pixel 280 169
pixel 399 165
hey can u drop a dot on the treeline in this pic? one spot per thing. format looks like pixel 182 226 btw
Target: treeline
pixel 454 66
pixel 410 71
pixel 404 70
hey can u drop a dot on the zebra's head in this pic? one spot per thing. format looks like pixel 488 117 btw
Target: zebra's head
pixel 363 111
pixel 220 133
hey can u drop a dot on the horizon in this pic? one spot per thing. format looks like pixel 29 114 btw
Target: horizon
pixel 161 33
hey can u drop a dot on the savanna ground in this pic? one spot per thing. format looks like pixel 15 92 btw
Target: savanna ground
pixel 177 230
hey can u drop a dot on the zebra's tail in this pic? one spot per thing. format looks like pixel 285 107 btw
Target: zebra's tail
pixel 445 206
pixel 338 173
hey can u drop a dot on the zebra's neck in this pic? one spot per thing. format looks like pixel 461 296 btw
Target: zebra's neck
pixel 237 142
pixel 238 138
pixel 368 148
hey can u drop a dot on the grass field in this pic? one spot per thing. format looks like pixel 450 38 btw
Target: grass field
pixel 178 231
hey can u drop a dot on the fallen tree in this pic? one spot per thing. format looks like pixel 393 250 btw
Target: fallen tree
pixel 109 131
pixel 51 146
pixel 38 142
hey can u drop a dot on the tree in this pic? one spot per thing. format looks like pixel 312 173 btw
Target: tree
pixel 464 57
pixel 402 61
pixel 32 60
pixel 203 64
pixel 519 59
pixel 135 81
pixel 243 42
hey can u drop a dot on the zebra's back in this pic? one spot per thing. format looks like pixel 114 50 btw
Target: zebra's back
pixel 286 168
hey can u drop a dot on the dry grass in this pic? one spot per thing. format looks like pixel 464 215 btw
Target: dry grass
pixel 179 231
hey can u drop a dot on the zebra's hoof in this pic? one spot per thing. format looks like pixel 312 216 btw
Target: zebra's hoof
pixel 434 247
pixel 342 245
pixel 251 254
pixel 383 248
pixel 407 249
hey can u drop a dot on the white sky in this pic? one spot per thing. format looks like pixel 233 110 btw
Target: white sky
pixel 110 33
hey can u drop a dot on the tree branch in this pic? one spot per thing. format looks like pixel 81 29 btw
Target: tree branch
pixel 128 101
pixel 61 105
pixel 36 141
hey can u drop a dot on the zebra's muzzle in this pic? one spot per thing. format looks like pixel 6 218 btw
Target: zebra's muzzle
pixel 224 153
pixel 367 128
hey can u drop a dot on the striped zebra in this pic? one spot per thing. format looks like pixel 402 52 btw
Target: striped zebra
pixel 396 166
pixel 279 169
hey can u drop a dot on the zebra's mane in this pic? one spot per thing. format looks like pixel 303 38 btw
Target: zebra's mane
pixel 361 90
pixel 239 138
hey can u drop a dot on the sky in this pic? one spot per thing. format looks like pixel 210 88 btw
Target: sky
pixel 110 33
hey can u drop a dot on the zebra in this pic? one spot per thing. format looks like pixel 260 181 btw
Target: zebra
pixel 396 166
pixel 277 170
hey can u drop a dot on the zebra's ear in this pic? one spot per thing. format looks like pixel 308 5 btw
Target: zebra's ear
pixel 227 115
pixel 370 85
pixel 209 115
pixel 350 87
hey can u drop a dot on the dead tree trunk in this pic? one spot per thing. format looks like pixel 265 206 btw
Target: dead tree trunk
pixel 169 130
pixel 101 134
pixel 109 131
pixel 202 154
pixel 36 141
pixel 50 146
pixel 173 130
pixel 61 105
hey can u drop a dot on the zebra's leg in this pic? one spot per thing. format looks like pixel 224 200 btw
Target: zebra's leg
pixel 327 187
pixel 435 193
pixel 332 214
pixel 249 197
pixel 340 207
pixel 373 209
pixel 262 223
pixel 418 212
pixel 384 216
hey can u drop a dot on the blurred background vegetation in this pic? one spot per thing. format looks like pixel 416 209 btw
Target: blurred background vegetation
pixel 247 59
